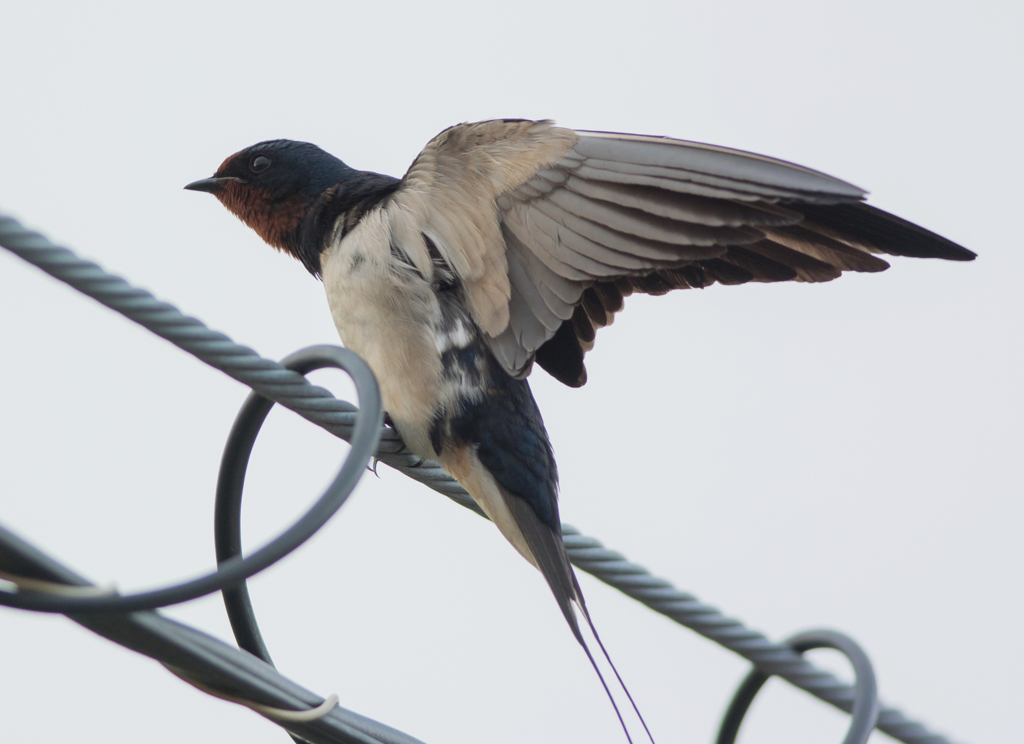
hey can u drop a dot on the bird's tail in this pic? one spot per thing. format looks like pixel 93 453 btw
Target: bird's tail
pixel 550 557
pixel 590 623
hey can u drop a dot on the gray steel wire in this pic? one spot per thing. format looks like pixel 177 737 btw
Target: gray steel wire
pixel 318 406
pixel 767 656
pixel 205 659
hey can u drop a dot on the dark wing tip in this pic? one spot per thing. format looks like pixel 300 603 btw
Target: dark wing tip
pixel 561 356
pixel 887 232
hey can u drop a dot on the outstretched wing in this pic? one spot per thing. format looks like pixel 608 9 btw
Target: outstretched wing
pixel 549 229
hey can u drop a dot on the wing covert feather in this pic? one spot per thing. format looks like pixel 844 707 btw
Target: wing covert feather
pixel 450 191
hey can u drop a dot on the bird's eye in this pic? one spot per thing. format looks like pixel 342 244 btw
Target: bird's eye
pixel 259 164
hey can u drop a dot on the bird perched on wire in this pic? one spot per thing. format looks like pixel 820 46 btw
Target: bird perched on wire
pixel 509 243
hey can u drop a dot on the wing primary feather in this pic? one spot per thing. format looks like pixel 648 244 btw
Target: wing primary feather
pixel 657 283
pixel 700 210
pixel 631 251
pixel 610 296
pixel 763 268
pixel 591 173
pixel 649 226
pixel 624 286
pixel 706 179
pixel 595 308
pixel 885 232
pixel 807 268
pixel 562 357
pixel 683 277
pixel 712 160
pixel 822 247
pixel 726 273
pixel 583 327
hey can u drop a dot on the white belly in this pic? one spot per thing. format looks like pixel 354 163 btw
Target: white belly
pixel 387 317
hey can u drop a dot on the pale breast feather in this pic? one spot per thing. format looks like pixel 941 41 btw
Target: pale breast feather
pixel 388 315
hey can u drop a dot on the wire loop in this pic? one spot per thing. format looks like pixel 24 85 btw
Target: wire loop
pixel 230 572
pixel 227 520
pixel 865 697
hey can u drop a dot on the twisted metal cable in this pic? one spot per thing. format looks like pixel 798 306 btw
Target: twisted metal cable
pixel 205 659
pixel 319 407
pixel 768 657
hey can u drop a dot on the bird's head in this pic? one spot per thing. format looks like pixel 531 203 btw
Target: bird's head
pixel 272 185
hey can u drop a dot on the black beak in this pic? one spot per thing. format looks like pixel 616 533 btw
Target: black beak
pixel 211 185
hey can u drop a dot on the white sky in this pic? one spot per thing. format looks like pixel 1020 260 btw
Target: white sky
pixel 843 455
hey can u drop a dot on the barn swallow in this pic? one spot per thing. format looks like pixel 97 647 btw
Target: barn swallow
pixel 511 242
